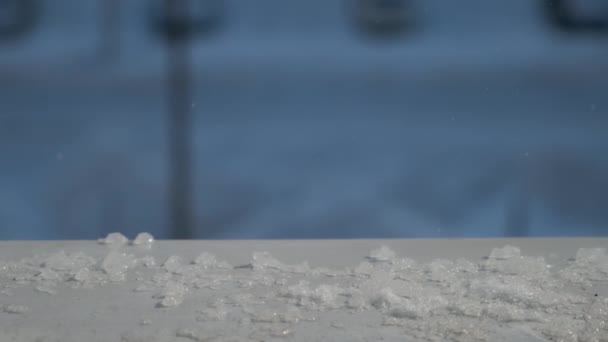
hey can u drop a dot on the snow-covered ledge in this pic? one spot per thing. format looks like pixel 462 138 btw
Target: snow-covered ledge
pixel 304 290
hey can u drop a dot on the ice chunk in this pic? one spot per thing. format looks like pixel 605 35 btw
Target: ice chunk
pixel 172 294
pixel 382 254
pixel 83 275
pixel 322 297
pixel 445 272
pixel 356 302
pixel 302 289
pixel 144 239
pixel 326 295
pixel 16 309
pixel 115 264
pixel 591 264
pixel 441 270
pixel 206 260
pixel 114 239
pixel 264 260
pixel 173 263
pixel 148 261
pixel 506 252
pixel 364 268
pixel 378 279
pixel 385 299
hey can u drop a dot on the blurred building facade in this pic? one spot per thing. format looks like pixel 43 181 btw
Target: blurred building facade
pixel 311 119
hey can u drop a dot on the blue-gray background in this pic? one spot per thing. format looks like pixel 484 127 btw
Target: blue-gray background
pixel 483 120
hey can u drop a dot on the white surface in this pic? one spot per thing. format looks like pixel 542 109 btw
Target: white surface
pixel 190 294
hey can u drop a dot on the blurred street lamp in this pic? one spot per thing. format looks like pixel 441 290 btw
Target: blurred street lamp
pixel 178 21
pixel 186 17
pixel 17 17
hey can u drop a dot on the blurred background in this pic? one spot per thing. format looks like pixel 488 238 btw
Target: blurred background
pixel 303 119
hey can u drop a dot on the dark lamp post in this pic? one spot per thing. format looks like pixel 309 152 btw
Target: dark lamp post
pixel 178 21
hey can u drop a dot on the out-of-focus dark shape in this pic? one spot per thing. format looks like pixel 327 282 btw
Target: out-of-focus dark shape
pixel 578 16
pixel 191 17
pixel 181 19
pixel 383 18
pixel 17 17
pixel 178 29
